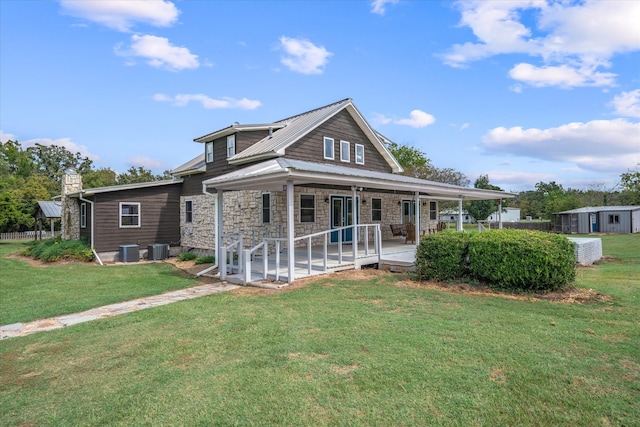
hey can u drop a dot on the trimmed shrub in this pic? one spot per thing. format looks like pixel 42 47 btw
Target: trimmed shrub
pixel 187 256
pixel 442 256
pixel 56 249
pixel 205 260
pixel 522 260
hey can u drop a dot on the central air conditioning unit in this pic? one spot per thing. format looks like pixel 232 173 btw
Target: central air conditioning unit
pixel 157 251
pixel 129 253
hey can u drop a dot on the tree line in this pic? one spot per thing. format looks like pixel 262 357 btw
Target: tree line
pixel 32 174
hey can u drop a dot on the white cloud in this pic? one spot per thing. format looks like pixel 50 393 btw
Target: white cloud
pixel 563 76
pixel 303 56
pixel 207 102
pixel 627 104
pixel 572 39
pixel 519 179
pixel 60 142
pixel 417 119
pixel 121 15
pixel 598 145
pixel 379 6
pixel 380 119
pixel 159 53
pixel 146 162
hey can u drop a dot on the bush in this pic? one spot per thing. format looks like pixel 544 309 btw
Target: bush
pixel 187 256
pixel 519 260
pixel 442 256
pixel 56 249
pixel 522 260
pixel 205 260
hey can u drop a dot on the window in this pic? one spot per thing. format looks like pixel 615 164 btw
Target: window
pixel 376 209
pixel 345 154
pixel 83 215
pixel 307 208
pixel 360 154
pixel 231 146
pixel 129 215
pixel 266 208
pixel 328 148
pixel 188 211
pixel 614 219
pixel 433 211
pixel 209 152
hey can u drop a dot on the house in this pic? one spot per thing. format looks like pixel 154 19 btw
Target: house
pixel 321 178
pixel 599 219
pixel 506 215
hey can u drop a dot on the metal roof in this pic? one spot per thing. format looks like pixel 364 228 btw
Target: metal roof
pixel 288 131
pixel 50 209
pixel 272 174
pixel 195 165
pixel 594 209
pixel 123 187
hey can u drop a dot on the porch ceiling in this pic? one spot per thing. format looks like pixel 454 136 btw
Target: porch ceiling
pixel 272 175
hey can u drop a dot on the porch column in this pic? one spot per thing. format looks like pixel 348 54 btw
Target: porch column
pixel 459 223
pixel 500 214
pixel 418 219
pixel 290 231
pixel 354 221
pixel 219 224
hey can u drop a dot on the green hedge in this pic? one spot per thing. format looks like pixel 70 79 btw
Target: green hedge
pixel 519 260
pixel 56 249
pixel 442 256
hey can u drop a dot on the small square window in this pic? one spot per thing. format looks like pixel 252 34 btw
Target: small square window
pixel 376 209
pixel 231 146
pixel 614 219
pixel 209 152
pixel 360 154
pixel 307 208
pixel 345 151
pixel 328 148
pixel 129 215
pixel 188 211
pixel 266 208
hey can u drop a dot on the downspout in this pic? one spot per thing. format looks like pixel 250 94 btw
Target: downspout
pixel 92 213
pixel 215 220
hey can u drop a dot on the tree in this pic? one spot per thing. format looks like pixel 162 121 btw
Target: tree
pixel 630 182
pixel 416 164
pixel 52 160
pixel 481 209
pixel 103 177
pixel 136 175
pixel 14 160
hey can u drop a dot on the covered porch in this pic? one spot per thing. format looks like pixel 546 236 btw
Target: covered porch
pixel 337 246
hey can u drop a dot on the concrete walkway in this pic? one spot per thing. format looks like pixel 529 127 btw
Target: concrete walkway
pixel 21 329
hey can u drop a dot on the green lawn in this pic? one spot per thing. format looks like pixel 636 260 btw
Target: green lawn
pixel 28 293
pixel 339 352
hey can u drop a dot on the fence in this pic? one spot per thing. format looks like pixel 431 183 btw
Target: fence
pixel 528 225
pixel 28 235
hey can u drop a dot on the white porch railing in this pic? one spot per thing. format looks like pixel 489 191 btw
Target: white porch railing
pixel 360 234
pixel 227 253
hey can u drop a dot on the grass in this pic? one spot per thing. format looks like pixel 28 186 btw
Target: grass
pixel 29 293
pixel 343 352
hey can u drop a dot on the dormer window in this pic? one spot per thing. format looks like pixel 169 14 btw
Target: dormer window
pixel 209 152
pixel 231 146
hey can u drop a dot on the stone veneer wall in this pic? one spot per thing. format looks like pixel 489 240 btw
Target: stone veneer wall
pixel 243 214
pixel 70 221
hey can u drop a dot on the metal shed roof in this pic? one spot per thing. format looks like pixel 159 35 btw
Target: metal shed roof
pixel 272 174
pixel 50 209
pixel 590 209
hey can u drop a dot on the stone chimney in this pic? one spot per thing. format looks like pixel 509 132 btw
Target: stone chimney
pixel 71 183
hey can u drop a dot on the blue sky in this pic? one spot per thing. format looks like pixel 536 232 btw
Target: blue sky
pixel 524 91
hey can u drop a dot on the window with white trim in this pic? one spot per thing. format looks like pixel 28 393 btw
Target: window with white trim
pixel 376 209
pixel 328 148
pixel 345 151
pixel 208 149
pixel 266 208
pixel 188 211
pixel 433 211
pixel 129 214
pixel 231 146
pixel 307 208
pixel 360 154
pixel 83 215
